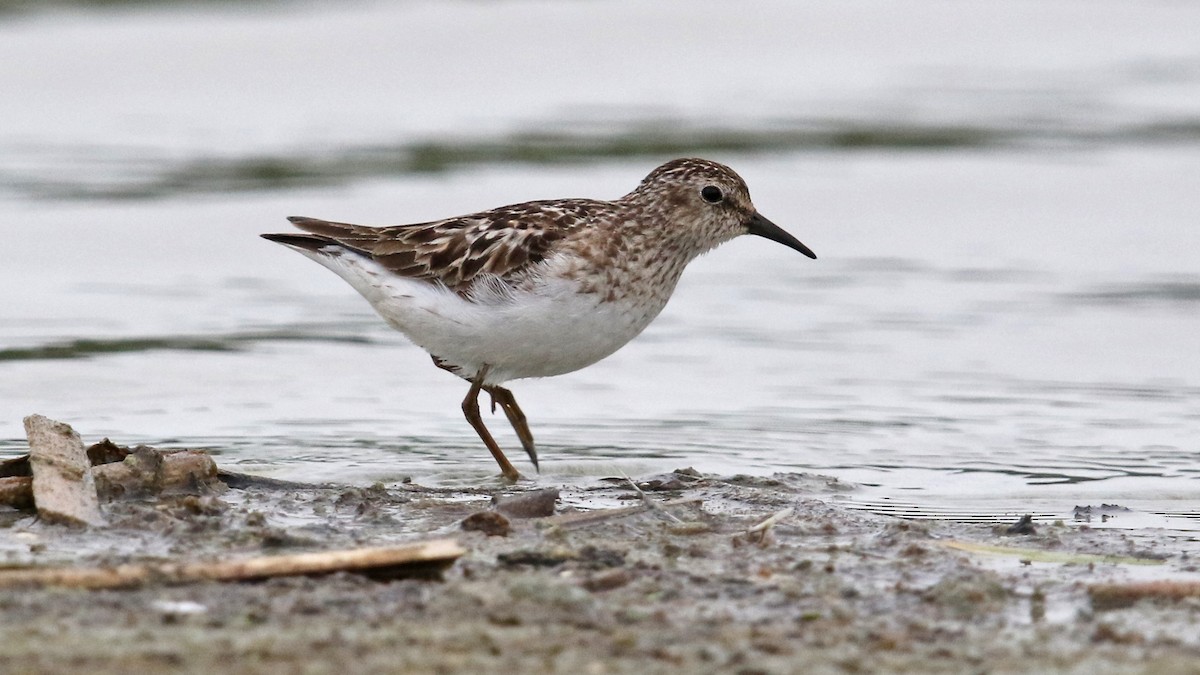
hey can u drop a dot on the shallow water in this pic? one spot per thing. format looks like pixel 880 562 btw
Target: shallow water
pixel 1002 319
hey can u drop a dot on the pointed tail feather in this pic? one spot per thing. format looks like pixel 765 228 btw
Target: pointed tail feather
pixel 308 242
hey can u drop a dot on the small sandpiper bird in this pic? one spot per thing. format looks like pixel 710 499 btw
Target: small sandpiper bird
pixel 540 288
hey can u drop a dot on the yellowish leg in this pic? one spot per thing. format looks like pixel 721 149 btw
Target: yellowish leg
pixel 508 403
pixel 470 406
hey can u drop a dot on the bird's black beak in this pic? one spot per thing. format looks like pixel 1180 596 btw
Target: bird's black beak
pixel 765 228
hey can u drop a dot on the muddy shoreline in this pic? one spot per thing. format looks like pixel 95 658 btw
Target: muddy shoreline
pixel 683 585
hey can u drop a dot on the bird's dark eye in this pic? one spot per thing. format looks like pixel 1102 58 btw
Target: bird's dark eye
pixel 711 193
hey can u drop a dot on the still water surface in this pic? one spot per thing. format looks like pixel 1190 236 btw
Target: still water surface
pixel 1003 319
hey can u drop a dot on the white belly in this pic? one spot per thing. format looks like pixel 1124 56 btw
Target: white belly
pixel 552 330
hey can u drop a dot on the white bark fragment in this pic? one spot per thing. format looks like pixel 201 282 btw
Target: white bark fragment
pixel 64 489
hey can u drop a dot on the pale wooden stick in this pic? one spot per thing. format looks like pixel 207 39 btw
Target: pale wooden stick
pixel 387 561
pixel 1117 595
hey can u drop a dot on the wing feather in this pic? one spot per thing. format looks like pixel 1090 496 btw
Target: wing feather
pixel 455 252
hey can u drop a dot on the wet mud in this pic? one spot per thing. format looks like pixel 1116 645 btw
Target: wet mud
pixel 683 573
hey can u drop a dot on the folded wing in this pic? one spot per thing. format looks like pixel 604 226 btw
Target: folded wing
pixel 455 252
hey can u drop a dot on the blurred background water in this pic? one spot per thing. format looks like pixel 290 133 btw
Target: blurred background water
pixel 1004 198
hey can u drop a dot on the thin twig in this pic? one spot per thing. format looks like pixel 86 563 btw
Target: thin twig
pixel 770 522
pixel 650 503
